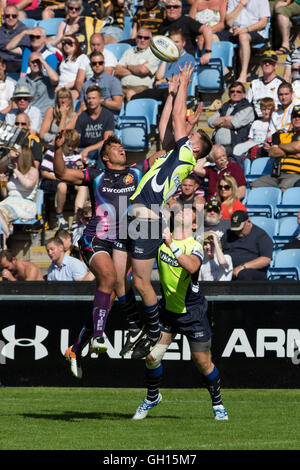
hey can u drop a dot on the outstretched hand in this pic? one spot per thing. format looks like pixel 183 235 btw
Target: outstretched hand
pixel 186 73
pixel 195 115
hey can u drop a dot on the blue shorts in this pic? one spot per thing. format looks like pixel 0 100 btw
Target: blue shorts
pixel 145 237
pixel 193 324
pixel 90 246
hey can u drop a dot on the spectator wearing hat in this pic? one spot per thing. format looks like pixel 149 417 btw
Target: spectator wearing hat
pixel 215 266
pixel 22 99
pixel 285 149
pixel 177 20
pixel 267 85
pixel 246 21
pixel 213 221
pixel 11 27
pixel 250 248
pixel 221 166
pixel 42 87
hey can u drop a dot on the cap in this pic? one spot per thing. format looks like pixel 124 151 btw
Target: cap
pixel 269 55
pixel 174 2
pixel 213 204
pixel 296 111
pixel 22 92
pixel 238 220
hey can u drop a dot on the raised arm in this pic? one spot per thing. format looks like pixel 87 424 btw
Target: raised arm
pixel 179 109
pixel 165 123
pixel 69 175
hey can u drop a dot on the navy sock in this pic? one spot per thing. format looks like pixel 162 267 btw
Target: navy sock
pixel 152 313
pixel 153 377
pixel 129 308
pixel 213 384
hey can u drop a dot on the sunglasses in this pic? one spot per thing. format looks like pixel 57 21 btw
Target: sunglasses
pixel 147 38
pixel 19 123
pixel 11 16
pixel 67 43
pixel 33 37
pixel 224 186
pixel 213 210
pixel 24 98
pixel 74 8
pixel 100 62
pixel 173 6
pixel 236 91
pixel 36 61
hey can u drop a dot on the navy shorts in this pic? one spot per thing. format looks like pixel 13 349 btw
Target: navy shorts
pixel 145 237
pixel 193 324
pixel 90 246
pixel 227 35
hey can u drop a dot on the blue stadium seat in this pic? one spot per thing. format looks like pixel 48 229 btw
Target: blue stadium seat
pixel 290 203
pixel 51 59
pixel 118 49
pixel 287 229
pixel 146 107
pixel 133 133
pixel 128 24
pixel 211 77
pixel 50 25
pixel 29 22
pixel 267 224
pixel 263 201
pixel 39 210
pixel 259 167
pixel 286 266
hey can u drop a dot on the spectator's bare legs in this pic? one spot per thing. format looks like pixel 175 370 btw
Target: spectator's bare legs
pixel 61 195
pixel 81 197
pixel 245 54
pixel 284 26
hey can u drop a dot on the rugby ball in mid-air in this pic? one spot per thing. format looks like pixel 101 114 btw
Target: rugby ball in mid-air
pixel 164 48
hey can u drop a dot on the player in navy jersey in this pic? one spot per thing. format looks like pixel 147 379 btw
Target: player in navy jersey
pixel 183 148
pixel 104 242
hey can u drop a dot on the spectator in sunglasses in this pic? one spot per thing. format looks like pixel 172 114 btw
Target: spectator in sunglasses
pixel 11 26
pixel 227 195
pixel 137 66
pixel 22 98
pixel 111 86
pixel 38 43
pixel 41 86
pixel 233 120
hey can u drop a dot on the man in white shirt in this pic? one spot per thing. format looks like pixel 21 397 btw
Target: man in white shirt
pixel 267 85
pixel 63 266
pixel 22 98
pixel 7 86
pixel 247 20
pixel 137 66
pixel 281 119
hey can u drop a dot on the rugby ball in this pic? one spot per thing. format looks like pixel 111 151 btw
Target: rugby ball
pixel 164 48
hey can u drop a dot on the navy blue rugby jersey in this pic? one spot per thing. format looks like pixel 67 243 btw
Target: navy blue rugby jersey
pixel 110 191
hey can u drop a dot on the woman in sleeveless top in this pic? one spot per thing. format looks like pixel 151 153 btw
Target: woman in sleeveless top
pixel 227 195
pixel 211 14
pixel 60 116
pixel 19 195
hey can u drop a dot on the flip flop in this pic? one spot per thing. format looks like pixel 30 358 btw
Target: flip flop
pixel 283 50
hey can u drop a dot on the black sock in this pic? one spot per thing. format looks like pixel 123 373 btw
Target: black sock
pixel 213 384
pixel 129 309
pixel 153 377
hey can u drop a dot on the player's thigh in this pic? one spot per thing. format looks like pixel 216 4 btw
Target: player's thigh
pixel 103 268
pixel 122 263
pixel 142 269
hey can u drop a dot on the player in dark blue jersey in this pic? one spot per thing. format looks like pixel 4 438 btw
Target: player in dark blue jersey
pixel 183 148
pixel 104 242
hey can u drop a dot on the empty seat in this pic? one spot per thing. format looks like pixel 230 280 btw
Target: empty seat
pixel 263 201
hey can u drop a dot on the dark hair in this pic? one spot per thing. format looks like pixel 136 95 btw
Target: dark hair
pixel 96 54
pixel 112 139
pixel 285 85
pixel 57 241
pixel 206 143
pixel 236 84
pixel 177 32
pixel 8 254
pixel 94 88
pixel 77 51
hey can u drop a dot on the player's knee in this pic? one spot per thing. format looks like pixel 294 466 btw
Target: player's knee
pixel 154 359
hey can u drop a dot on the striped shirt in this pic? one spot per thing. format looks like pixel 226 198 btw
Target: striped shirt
pixel 48 161
pixel 150 19
pixel 291 163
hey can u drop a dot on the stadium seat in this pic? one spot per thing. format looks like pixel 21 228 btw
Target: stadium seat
pixel 290 203
pixel 286 266
pixel 263 201
pixel 133 133
pixel 146 107
pixel 50 25
pixel 287 229
pixel 267 224
pixel 259 167
pixel 29 22
pixel 118 49
pixel 128 24
pixel 211 77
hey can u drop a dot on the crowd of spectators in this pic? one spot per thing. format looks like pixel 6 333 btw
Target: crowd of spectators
pixel 73 82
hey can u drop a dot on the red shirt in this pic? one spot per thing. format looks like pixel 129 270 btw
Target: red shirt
pixel 214 175
pixel 237 206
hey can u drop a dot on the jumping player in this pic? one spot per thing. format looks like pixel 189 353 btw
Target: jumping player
pixel 102 247
pixel 156 187
pixel 183 311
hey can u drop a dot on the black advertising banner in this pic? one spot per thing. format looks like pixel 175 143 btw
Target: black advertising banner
pixel 256 338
